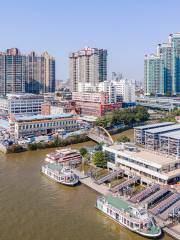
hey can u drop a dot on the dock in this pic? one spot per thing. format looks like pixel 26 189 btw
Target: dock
pixel 88 181
pixel 173 231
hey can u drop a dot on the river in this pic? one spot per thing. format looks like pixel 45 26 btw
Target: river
pixel 32 207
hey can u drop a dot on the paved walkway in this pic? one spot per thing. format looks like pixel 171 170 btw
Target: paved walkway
pixel 173 231
pixel 102 189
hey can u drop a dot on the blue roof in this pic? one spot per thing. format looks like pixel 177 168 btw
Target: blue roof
pixel 155 125
pixel 4 124
pixel 175 134
pixel 42 117
pixel 164 129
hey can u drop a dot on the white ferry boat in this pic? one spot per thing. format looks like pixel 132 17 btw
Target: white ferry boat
pixel 135 219
pixel 66 156
pixel 60 174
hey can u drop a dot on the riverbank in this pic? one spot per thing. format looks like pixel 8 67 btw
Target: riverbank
pixel 70 141
pixel 34 207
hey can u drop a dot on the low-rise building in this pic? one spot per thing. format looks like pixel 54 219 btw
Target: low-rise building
pixel 94 103
pixel 139 131
pixel 37 125
pixel 150 166
pixel 26 104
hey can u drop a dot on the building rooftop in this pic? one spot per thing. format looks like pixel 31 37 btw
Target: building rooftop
pixel 164 129
pixel 42 117
pixel 175 135
pixel 155 125
pixel 152 158
pixel 4 124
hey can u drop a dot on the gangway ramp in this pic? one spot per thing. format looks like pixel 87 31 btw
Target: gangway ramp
pixel 145 193
pixel 163 205
pixel 125 184
pixel 170 210
pixel 156 196
pixel 109 176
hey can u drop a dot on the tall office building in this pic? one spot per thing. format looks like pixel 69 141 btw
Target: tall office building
pixel 162 70
pixel 31 74
pixel 88 66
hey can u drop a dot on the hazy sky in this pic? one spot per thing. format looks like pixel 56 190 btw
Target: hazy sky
pixel 128 29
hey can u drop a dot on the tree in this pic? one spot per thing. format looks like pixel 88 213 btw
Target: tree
pixel 99 159
pixel 57 142
pixel 83 151
pixel 32 146
pixel 123 139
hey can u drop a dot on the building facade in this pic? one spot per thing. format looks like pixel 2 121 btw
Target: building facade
pixel 26 74
pixel 161 70
pixel 38 125
pixel 94 103
pixel 88 65
pixel 26 104
pixel 149 166
pixel 12 72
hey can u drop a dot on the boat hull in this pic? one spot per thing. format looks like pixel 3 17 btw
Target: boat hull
pixel 73 183
pixel 130 229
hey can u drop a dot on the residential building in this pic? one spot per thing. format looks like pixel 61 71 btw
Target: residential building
pixel 40 76
pixel 26 104
pixel 26 73
pixel 12 72
pixel 152 74
pixel 88 65
pixel 37 125
pixel 109 88
pixel 161 70
pixel 125 88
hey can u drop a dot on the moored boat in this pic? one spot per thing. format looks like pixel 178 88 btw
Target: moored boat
pixel 60 174
pixel 66 156
pixel 133 218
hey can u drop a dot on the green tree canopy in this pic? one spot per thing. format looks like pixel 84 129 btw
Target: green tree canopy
pixel 99 159
pixel 83 151
pixel 123 139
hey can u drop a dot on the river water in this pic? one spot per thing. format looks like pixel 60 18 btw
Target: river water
pixel 32 207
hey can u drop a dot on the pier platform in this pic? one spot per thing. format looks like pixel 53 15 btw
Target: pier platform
pixel 102 189
pixel 173 231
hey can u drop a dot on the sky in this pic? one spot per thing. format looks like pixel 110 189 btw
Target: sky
pixel 128 29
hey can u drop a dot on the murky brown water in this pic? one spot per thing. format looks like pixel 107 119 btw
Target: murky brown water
pixel 34 208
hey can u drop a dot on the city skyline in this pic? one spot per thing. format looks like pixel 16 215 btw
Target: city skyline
pixel 123 28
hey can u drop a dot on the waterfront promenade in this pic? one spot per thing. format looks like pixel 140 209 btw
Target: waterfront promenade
pixel 173 231
pixel 88 181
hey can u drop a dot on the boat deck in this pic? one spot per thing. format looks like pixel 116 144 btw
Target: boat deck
pixel 117 202
pixel 54 166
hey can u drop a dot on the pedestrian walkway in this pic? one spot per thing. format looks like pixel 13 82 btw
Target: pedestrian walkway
pixel 110 176
pixel 88 181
